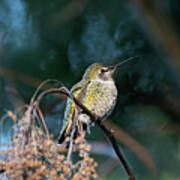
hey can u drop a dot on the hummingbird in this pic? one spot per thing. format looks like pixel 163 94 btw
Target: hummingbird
pixel 97 92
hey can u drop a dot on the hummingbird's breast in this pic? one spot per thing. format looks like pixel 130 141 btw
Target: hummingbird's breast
pixel 100 97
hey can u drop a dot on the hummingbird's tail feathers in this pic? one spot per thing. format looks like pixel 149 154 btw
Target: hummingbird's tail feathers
pixel 64 133
pixel 62 137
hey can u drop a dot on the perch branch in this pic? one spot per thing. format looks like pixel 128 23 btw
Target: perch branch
pixel 98 123
pixel 116 149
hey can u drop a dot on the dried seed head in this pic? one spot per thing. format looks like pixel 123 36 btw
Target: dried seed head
pixel 33 155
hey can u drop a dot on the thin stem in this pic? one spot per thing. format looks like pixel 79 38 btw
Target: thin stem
pixel 70 146
pixel 43 121
pixel 116 149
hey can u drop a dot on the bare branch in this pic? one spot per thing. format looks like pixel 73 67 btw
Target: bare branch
pixel 140 151
pixel 116 149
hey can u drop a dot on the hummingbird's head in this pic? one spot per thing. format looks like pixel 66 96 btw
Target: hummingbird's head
pixel 99 71
pixel 102 72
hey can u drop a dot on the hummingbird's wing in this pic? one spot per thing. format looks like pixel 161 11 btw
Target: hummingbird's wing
pixel 69 112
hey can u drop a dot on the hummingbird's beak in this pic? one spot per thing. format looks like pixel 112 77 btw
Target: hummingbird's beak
pixel 123 62
pixel 113 68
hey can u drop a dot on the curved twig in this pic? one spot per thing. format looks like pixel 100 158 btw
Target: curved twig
pixel 40 87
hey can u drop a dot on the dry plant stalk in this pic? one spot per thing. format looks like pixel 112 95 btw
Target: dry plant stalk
pixel 34 155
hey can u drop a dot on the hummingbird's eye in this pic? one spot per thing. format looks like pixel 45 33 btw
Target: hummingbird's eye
pixel 103 70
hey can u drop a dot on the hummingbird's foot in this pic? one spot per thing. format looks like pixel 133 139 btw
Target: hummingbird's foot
pixel 88 130
pixel 84 118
